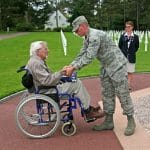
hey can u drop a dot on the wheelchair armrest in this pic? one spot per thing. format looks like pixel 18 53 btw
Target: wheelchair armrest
pixel 65 79
pixel 54 96
pixel 22 68
pixel 73 78
pixel 47 87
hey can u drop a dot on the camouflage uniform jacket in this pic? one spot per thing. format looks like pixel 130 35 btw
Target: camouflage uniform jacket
pixel 98 45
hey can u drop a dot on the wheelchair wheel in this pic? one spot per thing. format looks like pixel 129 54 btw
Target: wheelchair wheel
pixel 69 129
pixel 38 116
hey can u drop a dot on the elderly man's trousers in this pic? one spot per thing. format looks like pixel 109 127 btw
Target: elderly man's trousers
pixel 78 89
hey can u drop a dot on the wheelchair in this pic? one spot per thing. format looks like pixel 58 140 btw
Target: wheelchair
pixel 39 115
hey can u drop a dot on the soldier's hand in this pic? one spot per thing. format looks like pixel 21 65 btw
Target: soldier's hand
pixel 69 70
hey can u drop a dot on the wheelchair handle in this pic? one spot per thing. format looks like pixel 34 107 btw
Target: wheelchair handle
pixel 22 68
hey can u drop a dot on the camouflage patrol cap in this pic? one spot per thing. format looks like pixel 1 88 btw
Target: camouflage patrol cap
pixel 79 20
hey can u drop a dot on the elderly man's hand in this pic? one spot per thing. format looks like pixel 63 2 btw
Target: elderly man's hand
pixel 69 70
pixel 63 71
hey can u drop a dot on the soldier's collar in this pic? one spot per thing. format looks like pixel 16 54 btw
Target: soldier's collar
pixel 87 35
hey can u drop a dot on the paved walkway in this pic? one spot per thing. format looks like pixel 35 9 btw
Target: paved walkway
pixel 11 35
pixel 141 139
pixel 85 139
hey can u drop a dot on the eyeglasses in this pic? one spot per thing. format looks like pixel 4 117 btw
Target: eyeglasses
pixel 128 26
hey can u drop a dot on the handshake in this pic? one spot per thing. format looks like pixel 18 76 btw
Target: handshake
pixel 67 70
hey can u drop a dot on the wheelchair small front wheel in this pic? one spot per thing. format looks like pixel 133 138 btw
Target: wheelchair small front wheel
pixel 68 129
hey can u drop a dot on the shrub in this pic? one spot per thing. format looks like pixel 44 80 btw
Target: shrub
pixel 24 27
pixel 57 29
pixel 67 29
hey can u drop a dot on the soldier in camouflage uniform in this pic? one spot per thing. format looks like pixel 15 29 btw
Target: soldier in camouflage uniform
pixel 113 72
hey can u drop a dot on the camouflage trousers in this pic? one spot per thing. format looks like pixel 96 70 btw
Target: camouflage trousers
pixel 111 89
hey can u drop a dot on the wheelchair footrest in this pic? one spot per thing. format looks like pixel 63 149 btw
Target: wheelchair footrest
pixel 64 111
pixel 90 120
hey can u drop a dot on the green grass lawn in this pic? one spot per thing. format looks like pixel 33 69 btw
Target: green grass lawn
pixel 14 53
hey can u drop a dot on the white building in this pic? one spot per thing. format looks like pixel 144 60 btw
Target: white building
pixel 52 21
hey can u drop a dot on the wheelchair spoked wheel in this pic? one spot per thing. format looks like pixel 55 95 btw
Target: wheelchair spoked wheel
pixel 38 116
pixel 68 129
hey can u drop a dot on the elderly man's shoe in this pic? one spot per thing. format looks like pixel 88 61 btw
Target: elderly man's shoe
pixel 92 114
pixel 97 111
pixel 96 108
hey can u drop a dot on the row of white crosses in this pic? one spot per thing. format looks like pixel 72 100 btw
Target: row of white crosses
pixel 147 35
pixel 143 35
pixel 115 35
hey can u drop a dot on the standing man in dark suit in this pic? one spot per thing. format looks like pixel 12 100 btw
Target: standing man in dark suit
pixel 129 44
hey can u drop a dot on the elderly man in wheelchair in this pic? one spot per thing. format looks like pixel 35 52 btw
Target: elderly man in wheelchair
pixel 44 77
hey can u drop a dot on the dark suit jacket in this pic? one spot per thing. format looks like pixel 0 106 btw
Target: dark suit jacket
pixel 130 52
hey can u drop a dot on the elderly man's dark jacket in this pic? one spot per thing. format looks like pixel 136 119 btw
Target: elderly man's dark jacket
pixel 130 52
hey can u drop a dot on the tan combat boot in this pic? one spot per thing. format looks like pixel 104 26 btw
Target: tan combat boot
pixel 108 124
pixel 130 129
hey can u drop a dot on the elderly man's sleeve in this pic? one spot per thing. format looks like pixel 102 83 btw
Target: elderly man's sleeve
pixel 44 77
pixel 89 54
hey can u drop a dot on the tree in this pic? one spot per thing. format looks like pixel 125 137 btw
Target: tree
pixel 5 14
pixel 33 12
pixel 83 7
pixel 102 14
pixel 38 12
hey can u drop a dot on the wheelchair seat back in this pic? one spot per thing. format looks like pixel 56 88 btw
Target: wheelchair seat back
pixel 27 78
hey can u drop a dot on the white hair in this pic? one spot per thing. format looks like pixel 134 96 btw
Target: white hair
pixel 36 46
